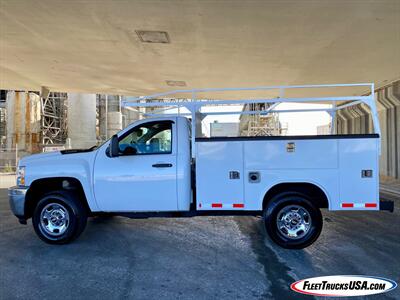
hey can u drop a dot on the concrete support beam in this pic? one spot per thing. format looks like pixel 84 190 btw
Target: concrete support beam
pixel 114 115
pixel 23 121
pixel 357 119
pixel 129 116
pixel 114 122
pixel 82 120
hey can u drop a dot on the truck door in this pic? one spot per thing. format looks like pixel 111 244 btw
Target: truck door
pixel 143 177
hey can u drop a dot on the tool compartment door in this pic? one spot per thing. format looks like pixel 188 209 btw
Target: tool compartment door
pixel 359 174
pixel 219 175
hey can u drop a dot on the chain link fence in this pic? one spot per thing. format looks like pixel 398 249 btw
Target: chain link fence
pixel 9 159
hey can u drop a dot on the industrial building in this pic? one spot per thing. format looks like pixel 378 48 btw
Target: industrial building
pixel 32 124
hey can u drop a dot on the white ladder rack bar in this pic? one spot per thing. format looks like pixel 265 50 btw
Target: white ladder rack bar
pixel 246 112
pixel 244 101
pixel 194 106
pixel 277 87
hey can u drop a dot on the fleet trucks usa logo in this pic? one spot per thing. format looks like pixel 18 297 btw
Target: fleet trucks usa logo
pixel 343 286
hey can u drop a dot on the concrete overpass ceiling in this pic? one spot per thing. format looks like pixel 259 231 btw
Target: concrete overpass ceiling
pixel 93 46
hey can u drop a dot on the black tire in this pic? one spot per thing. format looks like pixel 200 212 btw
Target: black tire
pixel 303 212
pixel 59 204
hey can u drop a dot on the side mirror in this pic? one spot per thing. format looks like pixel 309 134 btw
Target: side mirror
pixel 114 146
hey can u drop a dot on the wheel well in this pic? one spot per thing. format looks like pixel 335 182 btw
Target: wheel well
pixel 315 193
pixel 40 187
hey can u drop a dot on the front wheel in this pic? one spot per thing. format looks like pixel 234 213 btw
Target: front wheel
pixel 292 221
pixel 59 218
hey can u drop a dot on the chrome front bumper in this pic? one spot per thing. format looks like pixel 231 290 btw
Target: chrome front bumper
pixel 16 197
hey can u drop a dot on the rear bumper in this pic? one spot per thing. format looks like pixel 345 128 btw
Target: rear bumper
pixel 16 197
pixel 386 205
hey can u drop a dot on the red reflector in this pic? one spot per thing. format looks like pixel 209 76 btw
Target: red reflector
pixel 238 205
pixel 347 204
pixel 216 205
pixel 370 204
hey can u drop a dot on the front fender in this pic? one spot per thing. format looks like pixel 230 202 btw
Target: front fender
pixel 77 165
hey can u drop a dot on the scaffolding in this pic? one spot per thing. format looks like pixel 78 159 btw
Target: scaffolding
pixel 3 120
pixel 54 121
pixel 3 132
pixel 261 125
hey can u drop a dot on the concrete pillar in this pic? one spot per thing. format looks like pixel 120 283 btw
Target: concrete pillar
pixel 114 115
pixel 129 116
pixel 82 120
pixel 15 124
pixel 114 122
pixel 23 121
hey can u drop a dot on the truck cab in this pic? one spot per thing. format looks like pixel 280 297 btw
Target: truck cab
pixel 151 171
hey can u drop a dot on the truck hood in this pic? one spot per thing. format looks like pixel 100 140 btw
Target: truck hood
pixel 51 155
pixel 39 156
pixel 55 164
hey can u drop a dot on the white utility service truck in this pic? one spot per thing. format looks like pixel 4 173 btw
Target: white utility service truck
pixel 157 167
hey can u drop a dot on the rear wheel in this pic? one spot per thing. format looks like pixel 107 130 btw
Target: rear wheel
pixel 59 217
pixel 292 221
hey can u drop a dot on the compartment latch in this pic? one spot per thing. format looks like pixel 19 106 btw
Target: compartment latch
pixel 234 175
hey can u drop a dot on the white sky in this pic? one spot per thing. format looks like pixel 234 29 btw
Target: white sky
pixel 304 123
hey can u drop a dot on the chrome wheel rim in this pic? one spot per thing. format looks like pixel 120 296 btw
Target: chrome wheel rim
pixel 293 221
pixel 54 219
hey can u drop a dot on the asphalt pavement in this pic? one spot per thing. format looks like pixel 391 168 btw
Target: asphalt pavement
pixel 193 258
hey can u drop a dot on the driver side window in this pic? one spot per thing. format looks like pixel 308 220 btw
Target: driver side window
pixel 148 138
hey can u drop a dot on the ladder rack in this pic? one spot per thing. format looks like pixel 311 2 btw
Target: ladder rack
pixel 193 104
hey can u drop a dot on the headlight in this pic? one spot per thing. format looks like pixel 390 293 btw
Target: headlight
pixel 21 176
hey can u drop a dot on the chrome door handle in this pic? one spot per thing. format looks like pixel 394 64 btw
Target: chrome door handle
pixel 162 165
